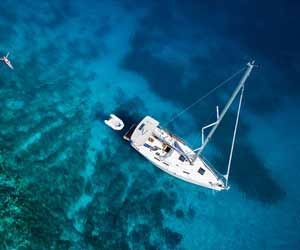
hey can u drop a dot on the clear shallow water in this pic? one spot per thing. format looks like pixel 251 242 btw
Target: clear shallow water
pixel 68 182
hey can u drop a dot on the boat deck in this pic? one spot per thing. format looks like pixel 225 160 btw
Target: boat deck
pixel 170 154
pixel 128 134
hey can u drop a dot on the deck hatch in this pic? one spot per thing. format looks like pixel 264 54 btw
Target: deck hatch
pixel 201 171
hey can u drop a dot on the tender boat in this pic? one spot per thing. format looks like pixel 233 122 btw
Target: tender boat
pixel 114 122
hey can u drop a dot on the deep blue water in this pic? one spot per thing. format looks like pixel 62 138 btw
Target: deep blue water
pixel 69 182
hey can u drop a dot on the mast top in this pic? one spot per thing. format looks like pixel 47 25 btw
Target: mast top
pixel 250 65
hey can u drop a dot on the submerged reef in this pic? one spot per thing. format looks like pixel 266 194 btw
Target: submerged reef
pixel 27 220
pixel 45 138
pixel 44 132
pixel 127 211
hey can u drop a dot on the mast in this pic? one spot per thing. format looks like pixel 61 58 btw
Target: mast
pixel 228 104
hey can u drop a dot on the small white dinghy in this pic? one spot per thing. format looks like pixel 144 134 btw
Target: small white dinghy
pixel 114 122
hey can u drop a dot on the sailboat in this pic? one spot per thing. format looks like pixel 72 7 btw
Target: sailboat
pixel 172 155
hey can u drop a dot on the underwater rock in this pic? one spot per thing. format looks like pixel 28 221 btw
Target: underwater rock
pixel 14 104
pixel 139 233
pixel 172 238
pixel 179 213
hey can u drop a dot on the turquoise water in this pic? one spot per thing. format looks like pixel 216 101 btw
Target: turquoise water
pixel 69 182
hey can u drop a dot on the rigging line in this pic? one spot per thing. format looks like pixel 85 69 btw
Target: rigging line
pixel 204 96
pixel 233 138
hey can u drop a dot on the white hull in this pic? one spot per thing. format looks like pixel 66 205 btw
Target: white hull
pixel 172 156
pixel 180 175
